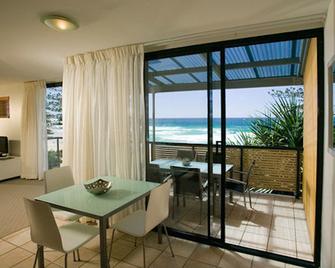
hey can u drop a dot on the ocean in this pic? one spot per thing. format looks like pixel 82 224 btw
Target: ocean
pixel 194 130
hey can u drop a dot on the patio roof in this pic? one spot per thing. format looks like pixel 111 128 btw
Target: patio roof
pixel 261 65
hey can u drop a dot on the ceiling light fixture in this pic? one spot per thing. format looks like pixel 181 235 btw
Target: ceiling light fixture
pixel 59 23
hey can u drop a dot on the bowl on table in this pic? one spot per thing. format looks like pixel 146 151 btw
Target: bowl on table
pixel 186 162
pixel 99 186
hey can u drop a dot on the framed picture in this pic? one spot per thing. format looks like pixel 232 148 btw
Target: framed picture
pixel 4 107
pixel 331 102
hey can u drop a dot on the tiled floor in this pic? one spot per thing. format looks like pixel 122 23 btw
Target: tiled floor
pixel 275 223
pixel 16 250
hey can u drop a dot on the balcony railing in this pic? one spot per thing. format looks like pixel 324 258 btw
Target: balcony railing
pixel 278 169
pixel 55 151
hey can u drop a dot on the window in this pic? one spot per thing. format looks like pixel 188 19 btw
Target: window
pixel 54 124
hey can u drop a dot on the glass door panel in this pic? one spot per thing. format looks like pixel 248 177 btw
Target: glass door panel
pixel 178 134
pixel 264 131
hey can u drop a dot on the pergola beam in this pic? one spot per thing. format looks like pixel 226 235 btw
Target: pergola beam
pixel 216 68
pixel 233 84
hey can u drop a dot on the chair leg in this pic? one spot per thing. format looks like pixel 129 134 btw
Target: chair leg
pixel 74 256
pixel 200 209
pixel 249 198
pixel 65 260
pixel 35 261
pixel 78 256
pixel 110 249
pixel 143 252
pixel 173 201
pixel 168 239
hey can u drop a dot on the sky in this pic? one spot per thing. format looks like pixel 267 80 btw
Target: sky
pixel 246 102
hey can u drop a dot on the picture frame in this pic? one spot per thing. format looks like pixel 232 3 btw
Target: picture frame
pixel 4 107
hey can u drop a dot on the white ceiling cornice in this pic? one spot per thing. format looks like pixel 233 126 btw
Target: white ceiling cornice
pixel 273 27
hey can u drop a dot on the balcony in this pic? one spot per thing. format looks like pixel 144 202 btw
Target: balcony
pixel 275 223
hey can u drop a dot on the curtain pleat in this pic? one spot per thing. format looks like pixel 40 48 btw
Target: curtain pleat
pixel 34 156
pixel 103 114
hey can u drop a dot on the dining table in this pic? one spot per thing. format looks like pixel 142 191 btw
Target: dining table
pixel 76 199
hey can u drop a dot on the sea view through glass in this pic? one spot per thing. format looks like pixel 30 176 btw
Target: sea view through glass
pixel 194 130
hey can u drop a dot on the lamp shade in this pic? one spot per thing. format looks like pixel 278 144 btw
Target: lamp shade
pixel 59 23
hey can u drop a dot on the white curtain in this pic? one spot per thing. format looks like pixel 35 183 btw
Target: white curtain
pixel 103 114
pixel 34 155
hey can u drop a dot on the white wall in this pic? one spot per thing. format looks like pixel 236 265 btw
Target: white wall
pixel 11 127
pixel 328 210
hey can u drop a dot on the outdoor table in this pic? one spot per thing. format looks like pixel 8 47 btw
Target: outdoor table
pixel 165 165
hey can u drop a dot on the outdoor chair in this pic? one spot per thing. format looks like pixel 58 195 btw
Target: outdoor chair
pixel 154 173
pixel 242 185
pixel 56 179
pixel 217 157
pixel 141 222
pixel 45 232
pixel 187 181
pixel 189 154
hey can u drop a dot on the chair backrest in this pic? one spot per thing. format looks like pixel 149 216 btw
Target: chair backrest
pixel 182 154
pixel 158 206
pixel 217 157
pixel 186 180
pixel 43 227
pixel 58 178
pixel 154 173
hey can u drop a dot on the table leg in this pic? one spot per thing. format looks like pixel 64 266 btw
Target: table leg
pixel 40 256
pixel 103 243
pixel 231 197
pixel 159 234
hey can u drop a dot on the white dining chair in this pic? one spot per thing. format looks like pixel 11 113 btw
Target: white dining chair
pixel 45 232
pixel 56 179
pixel 141 222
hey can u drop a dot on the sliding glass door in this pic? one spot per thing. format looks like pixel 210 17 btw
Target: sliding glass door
pixel 226 122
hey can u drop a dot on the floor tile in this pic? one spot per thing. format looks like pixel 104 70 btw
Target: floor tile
pixel 95 262
pixel 52 255
pixel 121 248
pixel 165 260
pixel 136 256
pixel 207 254
pixel 19 238
pixel 282 246
pixel 181 247
pixel 5 247
pixel 85 256
pixel 232 259
pixel 124 265
pixel 254 241
pixel 262 262
pixel 29 263
pixel 14 257
pixel 196 264
pixel 151 240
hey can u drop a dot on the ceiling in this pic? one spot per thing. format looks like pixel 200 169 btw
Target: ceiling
pixel 29 50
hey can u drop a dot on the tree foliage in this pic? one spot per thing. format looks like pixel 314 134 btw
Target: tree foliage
pixel 281 124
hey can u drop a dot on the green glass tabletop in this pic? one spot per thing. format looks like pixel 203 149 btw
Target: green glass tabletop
pixel 75 198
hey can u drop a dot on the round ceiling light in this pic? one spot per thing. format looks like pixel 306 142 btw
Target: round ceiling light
pixel 59 23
